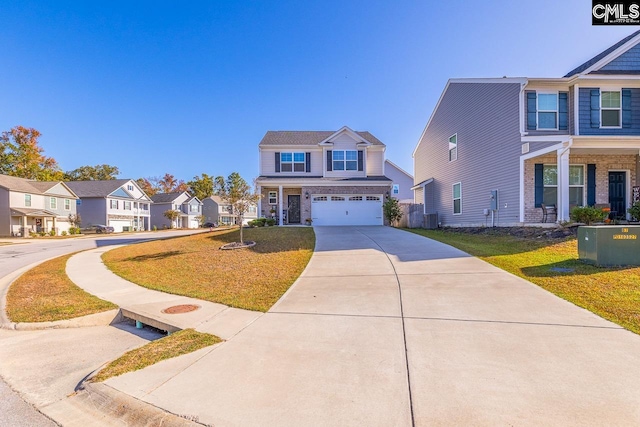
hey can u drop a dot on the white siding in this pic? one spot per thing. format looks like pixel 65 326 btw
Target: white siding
pixel 374 162
pixel 16 200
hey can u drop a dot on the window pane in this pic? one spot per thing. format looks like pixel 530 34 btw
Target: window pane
pixel 547 121
pixel 352 155
pixel 610 99
pixel 298 167
pixel 453 140
pixel 456 191
pixel 286 167
pixel 576 175
pixel 338 165
pixel 550 196
pixel 548 101
pixel 285 157
pixel 352 166
pixel 298 157
pixel 576 196
pixel 338 155
pixel 550 175
pixel 453 154
pixel 610 117
pixel 457 206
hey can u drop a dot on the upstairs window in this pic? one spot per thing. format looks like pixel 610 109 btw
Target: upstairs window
pixel 548 111
pixel 292 162
pixel 53 203
pixel 130 187
pixel 127 206
pixel 610 106
pixel 67 204
pixel 27 200
pixel 345 160
pixel 113 204
pixel 453 147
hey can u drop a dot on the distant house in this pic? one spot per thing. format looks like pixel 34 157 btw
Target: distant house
pixel 216 211
pixel 189 207
pixel 118 203
pixel 402 182
pixel 497 150
pixel 34 206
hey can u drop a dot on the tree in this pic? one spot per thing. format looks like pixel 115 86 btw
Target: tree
pixel 235 191
pixel 21 156
pixel 167 184
pixel 92 173
pixel 392 211
pixel 75 220
pixel 201 187
pixel 146 186
pixel 171 215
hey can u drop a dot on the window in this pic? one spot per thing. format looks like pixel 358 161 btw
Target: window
pixel 396 189
pixel 355 198
pixel 145 207
pixel 67 204
pixel 345 160
pixel 453 148
pixel 337 199
pixel 127 206
pixel 576 185
pixel 53 203
pixel 273 198
pixel 253 209
pixel 194 208
pixel 548 111
pixel 292 162
pixel 457 198
pixel 113 204
pixel 130 187
pixel 373 198
pixel 610 104
pixel 27 200
pixel 320 199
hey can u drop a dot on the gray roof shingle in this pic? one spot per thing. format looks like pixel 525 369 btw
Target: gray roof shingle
pixel 166 197
pixel 24 185
pixel 96 188
pixel 601 55
pixel 294 137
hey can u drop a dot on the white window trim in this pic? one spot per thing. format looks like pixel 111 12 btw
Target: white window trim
pixel 25 200
pixel 557 110
pixel 606 89
pixel 274 198
pixel 111 203
pixel 584 181
pixel 344 162
pixel 53 202
pixel 453 147
pixel 453 198
pixel 67 204
pixel 293 162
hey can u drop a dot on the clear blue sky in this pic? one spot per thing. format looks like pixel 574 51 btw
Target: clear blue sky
pixel 188 87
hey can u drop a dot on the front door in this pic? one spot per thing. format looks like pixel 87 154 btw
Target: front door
pixel 618 193
pixel 294 209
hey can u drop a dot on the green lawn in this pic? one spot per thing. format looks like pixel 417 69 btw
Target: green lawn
pixel 612 293
pixel 251 278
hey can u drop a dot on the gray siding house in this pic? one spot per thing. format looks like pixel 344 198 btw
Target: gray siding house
pixel 401 182
pixel 189 208
pixel 218 212
pixel 496 150
pixel 118 203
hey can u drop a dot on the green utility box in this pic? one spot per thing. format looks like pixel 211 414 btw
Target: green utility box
pixel 609 245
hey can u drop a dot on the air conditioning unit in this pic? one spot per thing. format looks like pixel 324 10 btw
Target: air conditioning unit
pixel 431 221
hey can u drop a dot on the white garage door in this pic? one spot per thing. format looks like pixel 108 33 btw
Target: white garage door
pixel 354 209
pixel 118 224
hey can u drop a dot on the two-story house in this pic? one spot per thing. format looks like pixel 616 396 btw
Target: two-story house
pixel 189 208
pixel 401 182
pixel 118 203
pixel 329 177
pixel 28 206
pixel 496 150
pixel 217 211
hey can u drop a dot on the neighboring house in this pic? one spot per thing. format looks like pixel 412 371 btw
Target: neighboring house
pixel 501 148
pixel 219 212
pixel 330 177
pixel 118 203
pixel 34 206
pixel 189 207
pixel 402 182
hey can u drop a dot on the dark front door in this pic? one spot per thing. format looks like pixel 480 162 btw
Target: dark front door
pixel 294 209
pixel 618 193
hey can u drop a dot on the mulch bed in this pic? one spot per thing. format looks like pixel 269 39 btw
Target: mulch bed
pixel 536 233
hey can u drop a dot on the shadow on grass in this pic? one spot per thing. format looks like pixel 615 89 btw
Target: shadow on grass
pixel 568 268
pixel 156 256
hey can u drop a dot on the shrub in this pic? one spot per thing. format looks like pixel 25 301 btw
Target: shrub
pixel 258 222
pixel 52 233
pixel 392 211
pixel 64 233
pixel 41 233
pixel 588 214
pixel 635 211
pixel 270 222
pixel 74 230
pixel 155 228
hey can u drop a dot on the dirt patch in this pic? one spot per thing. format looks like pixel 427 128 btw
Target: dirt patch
pixel 183 308
pixel 526 233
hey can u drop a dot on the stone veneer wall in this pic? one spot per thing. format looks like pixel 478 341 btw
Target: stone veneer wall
pixel 604 163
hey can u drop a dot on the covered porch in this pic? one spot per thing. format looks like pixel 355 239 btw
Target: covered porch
pixel 25 221
pixel 286 204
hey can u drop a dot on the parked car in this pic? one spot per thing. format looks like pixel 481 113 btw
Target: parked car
pixel 210 225
pixel 99 229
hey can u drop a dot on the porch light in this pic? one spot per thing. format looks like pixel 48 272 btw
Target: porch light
pixel 306 195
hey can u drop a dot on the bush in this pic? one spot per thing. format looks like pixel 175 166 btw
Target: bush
pixel 588 214
pixel 74 230
pixel 52 233
pixel 635 211
pixel 155 228
pixel 64 233
pixel 392 211
pixel 270 222
pixel 258 222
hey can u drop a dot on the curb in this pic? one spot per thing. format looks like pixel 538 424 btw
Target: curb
pixel 104 318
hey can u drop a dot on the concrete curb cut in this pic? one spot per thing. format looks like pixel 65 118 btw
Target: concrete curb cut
pixel 104 318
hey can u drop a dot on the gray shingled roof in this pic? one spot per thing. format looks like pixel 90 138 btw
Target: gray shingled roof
pixel 96 188
pixel 294 137
pixel 166 197
pixel 601 55
pixel 24 185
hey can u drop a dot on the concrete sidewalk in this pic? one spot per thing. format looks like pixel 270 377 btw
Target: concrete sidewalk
pixel 387 328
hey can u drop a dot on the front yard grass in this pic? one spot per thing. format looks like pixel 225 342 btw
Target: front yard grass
pixel 174 345
pixel 45 293
pixel 612 293
pixel 252 278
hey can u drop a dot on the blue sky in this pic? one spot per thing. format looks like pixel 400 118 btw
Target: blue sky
pixel 191 87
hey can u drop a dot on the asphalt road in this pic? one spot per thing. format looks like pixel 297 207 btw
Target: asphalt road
pixel 14 411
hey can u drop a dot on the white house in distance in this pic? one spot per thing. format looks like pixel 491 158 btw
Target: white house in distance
pixel 189 207
pixel 34 206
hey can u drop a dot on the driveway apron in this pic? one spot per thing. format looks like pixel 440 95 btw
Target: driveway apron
pixel 388 328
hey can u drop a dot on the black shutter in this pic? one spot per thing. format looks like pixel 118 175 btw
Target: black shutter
pixel 626 108
pixel 591 184
pixel 595 108
pixel 531 111
pixel 563 110
pixel 360 160
pixel 277 162
pixel 307 162
pixel 329 161
pixel 539 184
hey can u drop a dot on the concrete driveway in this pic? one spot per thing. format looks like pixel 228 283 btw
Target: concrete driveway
pixel 387 328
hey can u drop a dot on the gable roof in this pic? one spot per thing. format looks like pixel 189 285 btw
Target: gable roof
pixel 166 197
pixel 393 165
pixel 96 188
pixel 24 185
pixel 602 55
pixel 297 137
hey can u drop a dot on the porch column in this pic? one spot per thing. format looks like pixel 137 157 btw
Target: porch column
pixel 563 184
pixel 279 204
pixel 24 231
pixel 54 225
pixel 259 190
